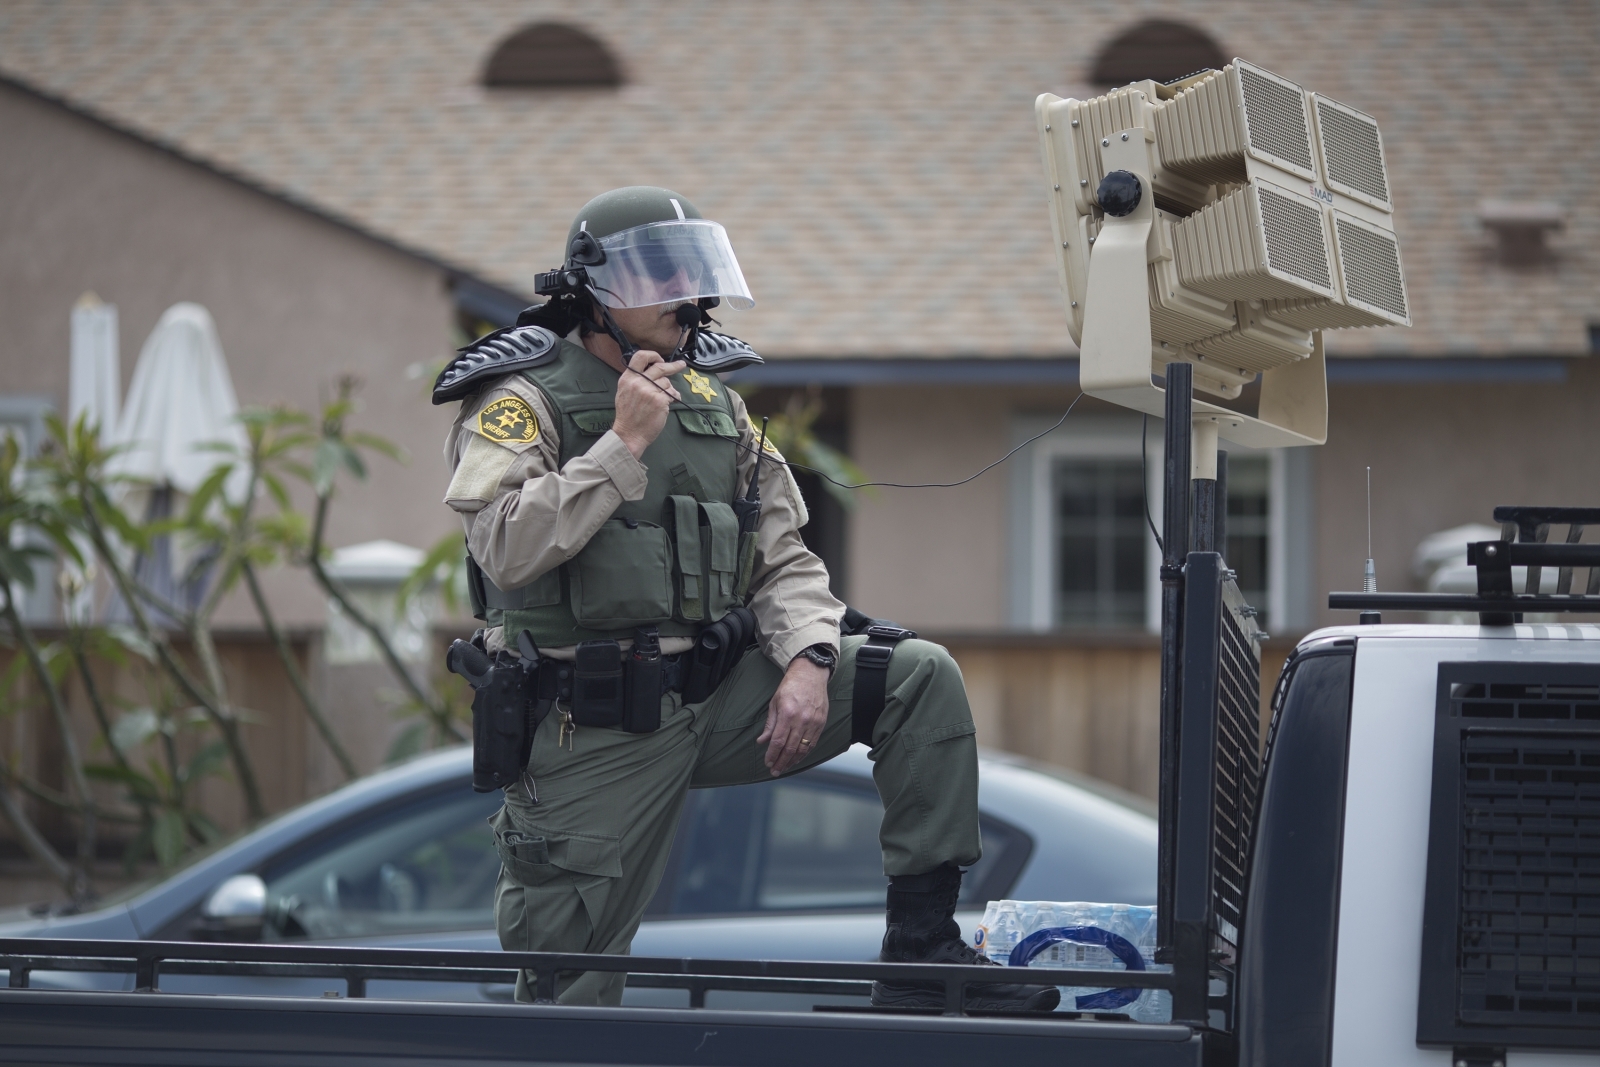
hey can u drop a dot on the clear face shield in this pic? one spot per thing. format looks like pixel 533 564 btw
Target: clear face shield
pixel 669 263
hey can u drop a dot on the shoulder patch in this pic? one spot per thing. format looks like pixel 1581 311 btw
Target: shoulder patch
pixel 508 421
pixel 492 356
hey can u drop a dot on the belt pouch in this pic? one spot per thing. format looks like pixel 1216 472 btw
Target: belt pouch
pixel 701 678
pixel 597 696
pixel 643 714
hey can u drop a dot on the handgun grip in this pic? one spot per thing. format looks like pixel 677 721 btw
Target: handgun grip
pixel 469 661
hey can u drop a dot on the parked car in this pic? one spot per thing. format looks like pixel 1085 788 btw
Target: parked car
pixel 782 870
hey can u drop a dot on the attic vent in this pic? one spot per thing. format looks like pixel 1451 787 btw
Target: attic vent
pixel 1158 49
pixel 550 55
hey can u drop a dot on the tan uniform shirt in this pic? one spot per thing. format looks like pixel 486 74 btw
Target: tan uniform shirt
pixel 523 515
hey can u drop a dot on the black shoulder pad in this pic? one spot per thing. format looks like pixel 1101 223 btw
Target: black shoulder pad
pixel 721 353
pixel 494 355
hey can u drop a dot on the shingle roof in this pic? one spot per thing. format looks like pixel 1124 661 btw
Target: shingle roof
pixel 873 161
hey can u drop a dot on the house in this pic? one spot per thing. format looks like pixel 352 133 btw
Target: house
pixel 344 184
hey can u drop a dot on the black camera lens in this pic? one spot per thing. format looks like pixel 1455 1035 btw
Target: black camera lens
pixel 1119 193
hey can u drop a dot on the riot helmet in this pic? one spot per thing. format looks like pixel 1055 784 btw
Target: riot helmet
pixel 643 245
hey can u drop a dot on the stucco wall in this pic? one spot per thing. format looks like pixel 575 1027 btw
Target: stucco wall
pixel 298 301
pixel 1443 455
pixel 935 558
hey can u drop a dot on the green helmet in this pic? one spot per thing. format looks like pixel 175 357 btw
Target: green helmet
pixel 633 205
pixel 644 245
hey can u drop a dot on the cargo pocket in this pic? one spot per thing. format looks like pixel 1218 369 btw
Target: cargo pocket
pixel 565 881
pixel 623 576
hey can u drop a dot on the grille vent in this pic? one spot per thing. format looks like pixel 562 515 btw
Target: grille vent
pixel 1296 243
pixel 1513 899
pixel 1223 250
pixel 1352 153
pixel 1275 114
pixel 1238 780
pixel 1370 260
pixel 1199 132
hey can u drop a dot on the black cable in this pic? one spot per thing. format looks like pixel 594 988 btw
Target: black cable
pixel 910 485
pixel 904 485
pixel 1144 483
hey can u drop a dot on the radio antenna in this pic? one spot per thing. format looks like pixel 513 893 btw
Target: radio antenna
pixel 1369 580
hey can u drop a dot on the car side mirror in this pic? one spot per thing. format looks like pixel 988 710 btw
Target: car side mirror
pixel 235 911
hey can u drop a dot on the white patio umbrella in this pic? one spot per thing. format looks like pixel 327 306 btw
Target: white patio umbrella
pixel 94 392
pixel 180 404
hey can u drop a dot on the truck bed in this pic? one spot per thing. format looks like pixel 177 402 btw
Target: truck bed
pixel 52 1026
pixel 149 1026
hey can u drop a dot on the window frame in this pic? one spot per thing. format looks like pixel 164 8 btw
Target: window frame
pixel 1117 436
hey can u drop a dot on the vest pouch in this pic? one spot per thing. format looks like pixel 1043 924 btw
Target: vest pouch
pixel 623 577
pixel 719 548
pixel 682 515
pixel 594 422
pixel 597 692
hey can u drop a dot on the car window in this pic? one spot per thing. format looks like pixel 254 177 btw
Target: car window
pixel 806 843
pixel 425 866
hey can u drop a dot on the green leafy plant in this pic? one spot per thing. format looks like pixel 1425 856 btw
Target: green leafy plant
pixel 792 431
pixel 165 787
pixel 338 448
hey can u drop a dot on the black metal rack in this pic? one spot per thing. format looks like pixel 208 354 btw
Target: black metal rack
pixel 1524 542
pixel 147 961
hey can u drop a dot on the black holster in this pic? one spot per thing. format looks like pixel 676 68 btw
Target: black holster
pixel 506 708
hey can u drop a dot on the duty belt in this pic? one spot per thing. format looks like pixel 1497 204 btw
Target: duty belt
pixel 555 676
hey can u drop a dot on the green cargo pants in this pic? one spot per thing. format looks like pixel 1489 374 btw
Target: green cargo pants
pixel 579 865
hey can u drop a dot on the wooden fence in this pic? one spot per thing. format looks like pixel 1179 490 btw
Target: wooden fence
pixel 1086 703
pixel 1089 703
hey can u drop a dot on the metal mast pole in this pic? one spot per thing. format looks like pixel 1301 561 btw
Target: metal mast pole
pixel 1175 520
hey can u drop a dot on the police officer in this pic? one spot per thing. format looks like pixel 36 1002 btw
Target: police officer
pixel 594 479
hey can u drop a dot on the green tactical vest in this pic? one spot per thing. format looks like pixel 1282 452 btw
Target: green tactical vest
pixel 674 559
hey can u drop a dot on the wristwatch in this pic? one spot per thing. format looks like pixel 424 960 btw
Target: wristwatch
pixel 822 656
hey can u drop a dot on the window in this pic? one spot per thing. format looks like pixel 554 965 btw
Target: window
pixel 808 843
pixel 1100 537
pixel 1083 556
pixel 1158 49
pixel 429 866
pixel 550 55
pixel 1249 527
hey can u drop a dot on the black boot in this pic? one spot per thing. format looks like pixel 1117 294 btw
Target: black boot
pixel 922 929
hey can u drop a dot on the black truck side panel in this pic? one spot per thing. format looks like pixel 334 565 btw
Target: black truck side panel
pixel 1291 929
pixel 43 1026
